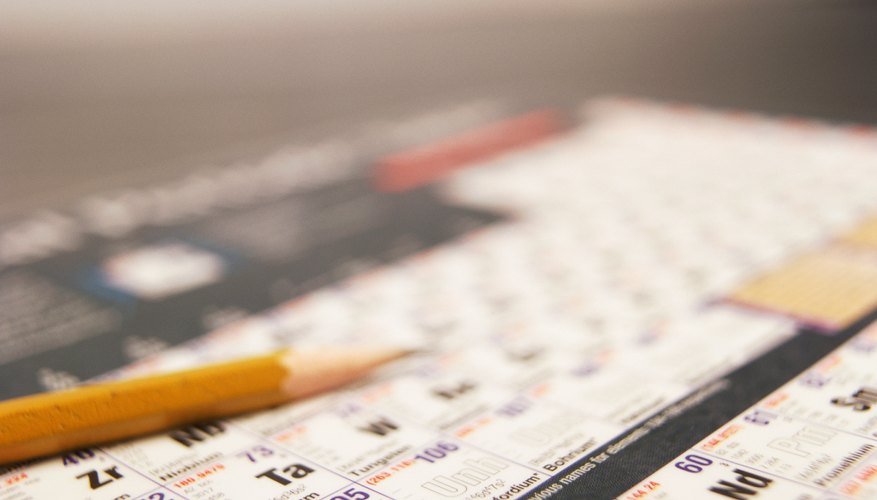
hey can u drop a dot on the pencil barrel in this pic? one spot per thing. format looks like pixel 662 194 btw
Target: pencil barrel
pixel 48 423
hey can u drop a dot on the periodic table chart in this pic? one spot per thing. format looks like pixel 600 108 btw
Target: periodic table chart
pixel 643 257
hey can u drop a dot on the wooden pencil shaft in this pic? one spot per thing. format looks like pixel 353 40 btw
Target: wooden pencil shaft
pixel 48 423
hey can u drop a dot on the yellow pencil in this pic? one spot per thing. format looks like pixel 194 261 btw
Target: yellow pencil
pixel 49 423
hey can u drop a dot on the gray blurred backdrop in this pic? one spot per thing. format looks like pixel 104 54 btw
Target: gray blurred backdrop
pixel 101 94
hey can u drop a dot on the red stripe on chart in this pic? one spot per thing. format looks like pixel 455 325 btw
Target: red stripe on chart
pixel 425 164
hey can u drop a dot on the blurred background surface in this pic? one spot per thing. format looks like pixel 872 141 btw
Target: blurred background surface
pixel 106 94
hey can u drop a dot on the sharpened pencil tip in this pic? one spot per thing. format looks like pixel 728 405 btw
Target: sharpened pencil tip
pixel 324 368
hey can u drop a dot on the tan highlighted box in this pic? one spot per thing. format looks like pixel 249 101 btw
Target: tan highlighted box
pixel 829 288
pixel 864 234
